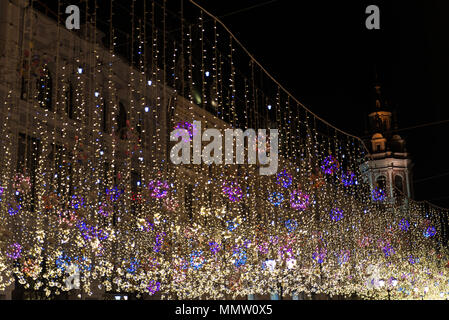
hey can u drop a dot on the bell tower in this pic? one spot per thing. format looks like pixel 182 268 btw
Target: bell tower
pixel 388 167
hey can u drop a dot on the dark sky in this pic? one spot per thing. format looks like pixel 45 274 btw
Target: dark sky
pixel 322 52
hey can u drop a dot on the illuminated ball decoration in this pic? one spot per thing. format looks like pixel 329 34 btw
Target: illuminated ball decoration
pixel 349 179
pixel 14 251
pixel 404 225
pixel 276 198
pixel 336 214
pixel 153 287
pixel 284 179
pixel 378 195
pixel 239 257
pixel 13 210
pixel 330 165
pixel 319 256
pixel 158 189
pixel 197 260
pixel 343 256
pixel 232 190
pixel 291 225
pixel 299 200
pixel 186 126
pixel 429 232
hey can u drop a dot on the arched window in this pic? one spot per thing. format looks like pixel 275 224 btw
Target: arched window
pixel 121 121
pixel 399 183
pixel 45 90
pixel 69 101
pixel 381 183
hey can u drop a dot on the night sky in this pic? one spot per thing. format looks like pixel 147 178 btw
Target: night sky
pixel 322 53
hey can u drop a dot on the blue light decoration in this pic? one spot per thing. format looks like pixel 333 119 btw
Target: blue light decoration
pixel 349 179
pixel 197 260
pixel 343 256
pixel 232 190
pixel 239 257
pixel 388 250
pixel 153 287
pixel 159 241
pixel 77 202
pixel 330 165
pixel 114 193
pixel 133 266
pixel 284 179
pixel 429 232
pixel 276 198
pixel 378 194
pixel 336 214
pixel 90 232
pixel 319 255
pixel 291 225
pixel 214 247
pixel 63 262
pixel 404 225
pixel 231 225
pixel 13 211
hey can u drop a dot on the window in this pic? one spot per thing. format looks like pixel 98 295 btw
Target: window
pixel 27 162
pixel 121 121
pixel 381 182
pixel 399 183
pixel 45 90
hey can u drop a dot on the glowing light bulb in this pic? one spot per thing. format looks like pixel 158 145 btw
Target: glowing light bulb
pixel 80 70
pixel 269 107
pixel 150 82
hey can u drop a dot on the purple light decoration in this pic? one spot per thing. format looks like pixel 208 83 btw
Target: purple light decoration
pixel 299 200
pixel 1 191
pixel 14 251
pixel 378 194
pixel 343 257
pixel 197 260
pixel 284 179
pixel 233 191
pixel 264 247
pixel 388 250
pixel 214 247
pixel 276 198
pixel 158 189
pixel 187 126
pixel 429 232
pixel 103 210
pixel 330 165
pixel 320 255
pixel 13 211
pixel 404 225
pixel 349 179
pixel 153 287
pixel 159 241
pixel 336 214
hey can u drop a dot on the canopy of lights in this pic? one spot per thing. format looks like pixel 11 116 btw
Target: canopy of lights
pixel 98 212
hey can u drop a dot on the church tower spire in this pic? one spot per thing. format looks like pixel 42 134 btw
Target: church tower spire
pixel 389 167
